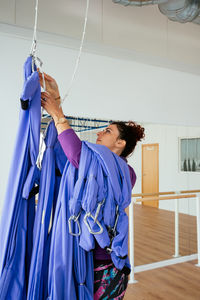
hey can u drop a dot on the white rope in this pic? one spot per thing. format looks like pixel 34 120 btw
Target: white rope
pixel 42 144
pixel 39 158
pixel 36 60
pixel 34 43
pixel 79 54
pixel 33 53
pixel 34 48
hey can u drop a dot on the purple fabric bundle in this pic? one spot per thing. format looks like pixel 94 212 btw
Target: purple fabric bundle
pixel 41 237
pixel 70 266
pixel 104 181
pixel 18 213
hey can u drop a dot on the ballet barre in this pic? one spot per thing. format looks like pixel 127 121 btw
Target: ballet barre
pixel 176 196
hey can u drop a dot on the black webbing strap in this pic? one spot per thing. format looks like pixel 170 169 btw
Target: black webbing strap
pixel 35 189
pixel 24 104
pixel 115 281
pixel 33 192
pixel 58 173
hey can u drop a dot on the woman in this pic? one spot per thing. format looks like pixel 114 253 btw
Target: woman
pixel 121 138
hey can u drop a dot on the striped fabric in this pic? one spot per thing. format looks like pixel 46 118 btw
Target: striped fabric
pixel 103 275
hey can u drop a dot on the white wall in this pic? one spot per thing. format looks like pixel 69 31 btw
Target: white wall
pixel 170 178
pixel 105 88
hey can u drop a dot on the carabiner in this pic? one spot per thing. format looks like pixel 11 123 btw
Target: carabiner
pixel 112 230
pixel 75 219
pixel 98 210
pixel 116 220
pixel 87 215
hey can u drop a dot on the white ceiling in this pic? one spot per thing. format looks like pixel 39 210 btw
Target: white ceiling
pixel 138 33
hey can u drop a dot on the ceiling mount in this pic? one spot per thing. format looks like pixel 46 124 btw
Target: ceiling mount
pixel 181 11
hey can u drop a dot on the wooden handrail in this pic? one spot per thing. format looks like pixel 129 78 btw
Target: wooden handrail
pixel 166 198
pixel 165 193
pixel 162 193
pixel 152 194
pixel 190 191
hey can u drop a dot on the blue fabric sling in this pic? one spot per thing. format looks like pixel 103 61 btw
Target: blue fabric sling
pixel 107 182
pixel 42 218
pixel 26 245
pixel 70 266
pixel 102 179
pixel 18 213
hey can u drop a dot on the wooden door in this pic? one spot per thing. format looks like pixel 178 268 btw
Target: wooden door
pixel 150 171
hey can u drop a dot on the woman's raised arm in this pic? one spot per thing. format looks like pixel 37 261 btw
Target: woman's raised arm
pixel 50 101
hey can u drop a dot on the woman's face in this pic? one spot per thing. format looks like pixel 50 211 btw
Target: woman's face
pixel 109 137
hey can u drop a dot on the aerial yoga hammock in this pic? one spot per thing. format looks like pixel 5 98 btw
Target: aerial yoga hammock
pixel 23 247
pixel 103 178
pixel 18 213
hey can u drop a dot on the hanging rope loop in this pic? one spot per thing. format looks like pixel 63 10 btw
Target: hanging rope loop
pixel 34 42
pixel 34 49
pixel 79 54
pixel 37 64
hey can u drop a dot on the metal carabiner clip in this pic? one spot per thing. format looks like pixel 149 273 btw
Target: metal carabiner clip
pixel 75 219
pixel 116 220
pixel 112 231
pixel 87 215
pixel 98 210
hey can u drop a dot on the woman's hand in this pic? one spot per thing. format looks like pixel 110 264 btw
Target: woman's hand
pixel 51 105
pixel 51 85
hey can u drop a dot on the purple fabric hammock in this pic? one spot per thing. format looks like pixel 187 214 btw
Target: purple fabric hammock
pixel 18 213
pixel 41 238
pixel 106 185
pixel 103 181
pixel 70 266
pixel 71 261
pixel 20 250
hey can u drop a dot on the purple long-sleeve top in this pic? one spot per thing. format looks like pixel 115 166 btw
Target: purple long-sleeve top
pixel 71 145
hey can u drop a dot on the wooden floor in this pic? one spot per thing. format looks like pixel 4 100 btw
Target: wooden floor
pixel 177 282
pixel 154 234
pixel 154 241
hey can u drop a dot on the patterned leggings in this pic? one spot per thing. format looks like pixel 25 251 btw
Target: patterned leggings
pixel 103 275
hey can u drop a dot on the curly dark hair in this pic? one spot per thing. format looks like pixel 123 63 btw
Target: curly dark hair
pixel 131 133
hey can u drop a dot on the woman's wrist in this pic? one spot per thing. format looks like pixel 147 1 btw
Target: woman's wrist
pixel 61 124
pixel 59 120
pixel 58 114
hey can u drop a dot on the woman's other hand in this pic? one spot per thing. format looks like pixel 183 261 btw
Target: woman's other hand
pixel 51 85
